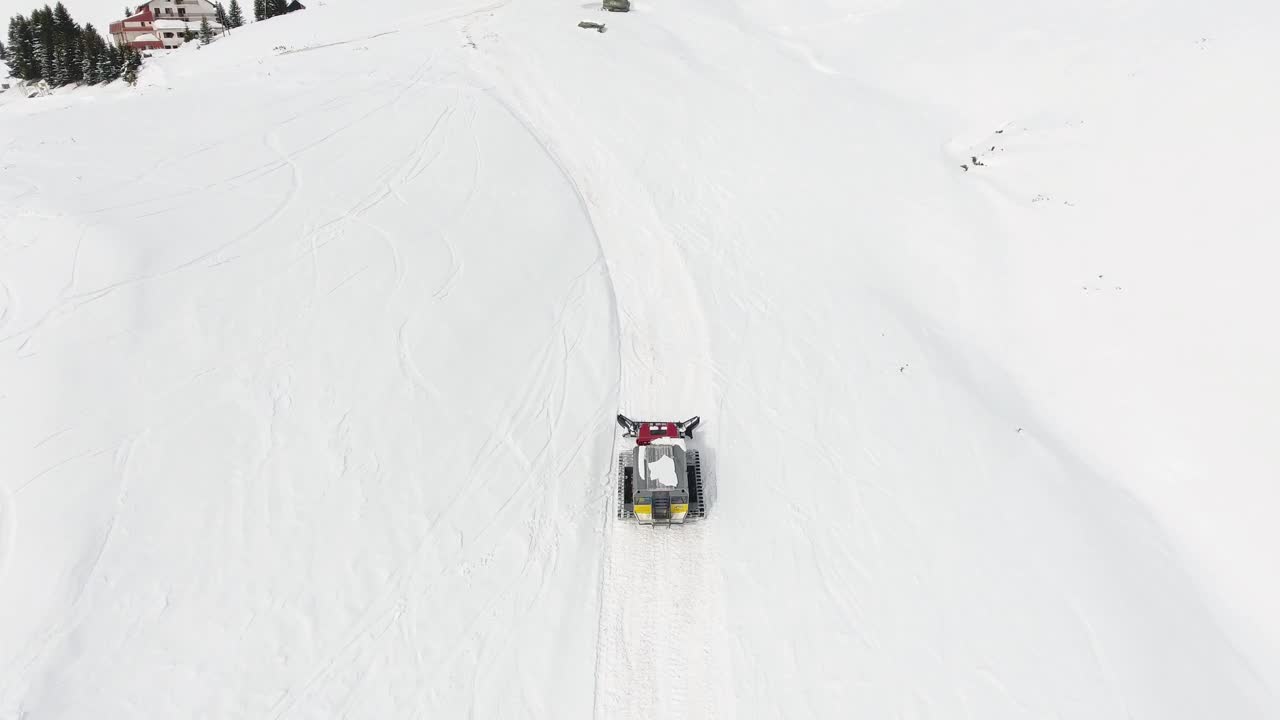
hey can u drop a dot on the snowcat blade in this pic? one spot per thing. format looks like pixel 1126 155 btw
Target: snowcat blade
pixel 628 425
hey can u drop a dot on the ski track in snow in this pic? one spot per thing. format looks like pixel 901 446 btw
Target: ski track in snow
pixel 658 608
pixel 8 528
pixel 661 649
pixel 7 303
pixel 406 583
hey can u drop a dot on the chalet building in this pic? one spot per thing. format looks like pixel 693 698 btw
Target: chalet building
pixel 163 24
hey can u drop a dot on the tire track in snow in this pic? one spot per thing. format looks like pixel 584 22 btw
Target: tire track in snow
pixel 7 303
pixel 408 583
pixel 8 529
pixel 659 649
pixel 60 631
pixel 283 160
pixel 295 186
pixel 582 206
pixel 408 592
pixel 661 625
pixel 60 308
pixel 455 264
pixel 390 183
pixel 373 623
pixel 271 217
pixel 615 331
pixel 410 586
pixel 124 454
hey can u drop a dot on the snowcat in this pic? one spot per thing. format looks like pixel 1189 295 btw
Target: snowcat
pixel 659 478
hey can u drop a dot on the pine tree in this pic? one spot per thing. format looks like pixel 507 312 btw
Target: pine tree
pixel 21 53
pixel 220 15
pixel 29 57
pixel 52 47
pixel 14 55
pixel 277 7
pixel 88 61
pixel 91 48
pixel 67 47
pixel 206 31
pixel 111 64
pixel 61 67
pixel 42 44
pixel 132 61
pixel 104 70
pixel 235 17
pixel 62 21
pixel 259 9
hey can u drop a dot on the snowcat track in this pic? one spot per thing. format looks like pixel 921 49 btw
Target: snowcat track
pixel 697 504
pixel 624 510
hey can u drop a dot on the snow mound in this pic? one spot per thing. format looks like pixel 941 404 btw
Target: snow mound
pixel 663 471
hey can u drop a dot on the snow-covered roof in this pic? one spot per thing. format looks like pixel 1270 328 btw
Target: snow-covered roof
pixel 146 37
pixel 663 471
pixel 183 26
pixel 661 466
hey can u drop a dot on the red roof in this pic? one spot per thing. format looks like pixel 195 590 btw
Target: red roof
pixel 143 15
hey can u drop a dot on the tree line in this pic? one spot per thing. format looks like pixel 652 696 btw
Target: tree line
pixel 229 18
pixel 50 46
pixel 263 9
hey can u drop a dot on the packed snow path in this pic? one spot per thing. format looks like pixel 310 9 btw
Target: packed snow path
pixel 306 400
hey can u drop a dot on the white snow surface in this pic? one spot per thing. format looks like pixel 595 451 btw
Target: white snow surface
pixel 163 24
pixel 663 470
pixel 309 360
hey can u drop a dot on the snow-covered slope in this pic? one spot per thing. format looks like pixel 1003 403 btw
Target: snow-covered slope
pixel 310 347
